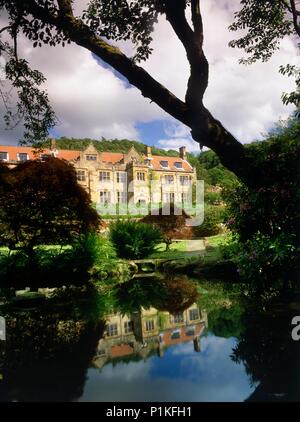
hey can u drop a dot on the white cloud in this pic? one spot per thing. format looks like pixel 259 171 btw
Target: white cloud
pixel 176 143
pixel 90 101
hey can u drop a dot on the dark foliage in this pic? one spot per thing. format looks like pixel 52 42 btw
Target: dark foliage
pixel 42 203
pixel 134 240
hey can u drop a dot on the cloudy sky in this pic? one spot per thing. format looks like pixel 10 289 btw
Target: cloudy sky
pixel 90 100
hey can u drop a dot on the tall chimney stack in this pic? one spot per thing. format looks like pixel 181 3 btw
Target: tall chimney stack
pixel 182 152
pixel 148 152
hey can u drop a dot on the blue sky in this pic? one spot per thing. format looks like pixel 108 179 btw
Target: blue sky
pixel 92 100
pixel 180 375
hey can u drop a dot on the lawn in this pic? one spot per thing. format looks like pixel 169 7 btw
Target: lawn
pixel 213 244
pixel 177 251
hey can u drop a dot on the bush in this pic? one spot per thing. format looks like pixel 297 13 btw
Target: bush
pixel 134 240
pixel 213 218
pixel 267 264
pixel 266 219
pixel 53 266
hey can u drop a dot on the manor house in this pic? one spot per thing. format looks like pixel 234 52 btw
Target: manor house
pixel 118 178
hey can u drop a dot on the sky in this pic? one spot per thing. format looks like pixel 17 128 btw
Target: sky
pixel 91 100
pixel 181 375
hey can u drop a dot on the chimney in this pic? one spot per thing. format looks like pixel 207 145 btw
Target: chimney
pixel 182 152
pixel 148 152
pixel 53 144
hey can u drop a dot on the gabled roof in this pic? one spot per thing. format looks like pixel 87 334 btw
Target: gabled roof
pixel 186 167
pixel 111 157
pixel 13 152
pixel 106 157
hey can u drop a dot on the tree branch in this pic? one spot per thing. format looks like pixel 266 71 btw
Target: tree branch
pixel 65 7
pixel 197 20
pixel 295 14
pixel 205 128
pixel 192 42
pixel 82 35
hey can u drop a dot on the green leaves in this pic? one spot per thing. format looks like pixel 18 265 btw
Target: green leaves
pixel 33 107
pixel 125 20
pixel 266 22
pixel 134 240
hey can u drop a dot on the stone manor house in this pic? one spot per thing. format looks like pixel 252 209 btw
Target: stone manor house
pixel 117 178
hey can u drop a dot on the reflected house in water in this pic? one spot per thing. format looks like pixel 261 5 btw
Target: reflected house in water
pixel 148 331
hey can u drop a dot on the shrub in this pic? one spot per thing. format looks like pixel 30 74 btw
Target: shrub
pixel 54 266
pixel 266 219
pixel 134 240
pixel 267 264
pixel 213 218
pixel 170 220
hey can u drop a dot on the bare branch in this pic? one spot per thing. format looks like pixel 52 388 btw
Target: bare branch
pixel 65 7
pixel 5 28
pixel 295 16
pixel 197 19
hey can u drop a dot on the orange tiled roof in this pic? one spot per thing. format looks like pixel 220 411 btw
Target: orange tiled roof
pixel 171 163
pixel 119 350
pixel 167 335
pixel 13 152
pixel 108 157
pixel 111 157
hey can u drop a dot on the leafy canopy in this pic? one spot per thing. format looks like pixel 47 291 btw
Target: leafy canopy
pixel 42 203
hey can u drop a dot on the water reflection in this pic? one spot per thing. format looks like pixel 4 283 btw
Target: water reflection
pixel 148 331
pixel 149 340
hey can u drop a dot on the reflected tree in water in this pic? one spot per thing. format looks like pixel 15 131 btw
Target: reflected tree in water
pixel 270 356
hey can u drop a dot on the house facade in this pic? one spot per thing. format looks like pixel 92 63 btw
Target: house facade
pixel 147 331
pixel 117 178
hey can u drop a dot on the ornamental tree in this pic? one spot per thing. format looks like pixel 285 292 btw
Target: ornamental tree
pixel 41 203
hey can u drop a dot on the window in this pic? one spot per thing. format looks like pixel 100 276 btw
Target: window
pixel 164 164
pixel 23 156
pixel 190 331
pixel 178 164
pixel 128 327
pixel 176 319
pixel 45 157
pixel 121 177
pixel 91 157
pixel 81 175
pixel 194 314
pixel 184 197
pixel 175 335
pixel 104 176
pixel 112 330
pixel 184 180
pixel 3 156
pixel 169 180
pixel 105 197
pixel 121 197
pixel 169 197
pixel 141 176
pixel 150 325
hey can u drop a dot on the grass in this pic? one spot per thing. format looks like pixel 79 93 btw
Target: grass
pixel 177 251
pixel 213 243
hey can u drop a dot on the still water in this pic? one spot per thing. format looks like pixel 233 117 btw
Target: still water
pixel 149 340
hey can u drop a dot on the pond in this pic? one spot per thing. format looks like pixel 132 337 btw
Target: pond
pixel 146 340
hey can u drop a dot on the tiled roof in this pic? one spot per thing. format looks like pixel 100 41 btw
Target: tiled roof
pixel 13 152
pixel 111 157
pixel 156 163
pixel 119 350
pixel 167 335
pixel 108 157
